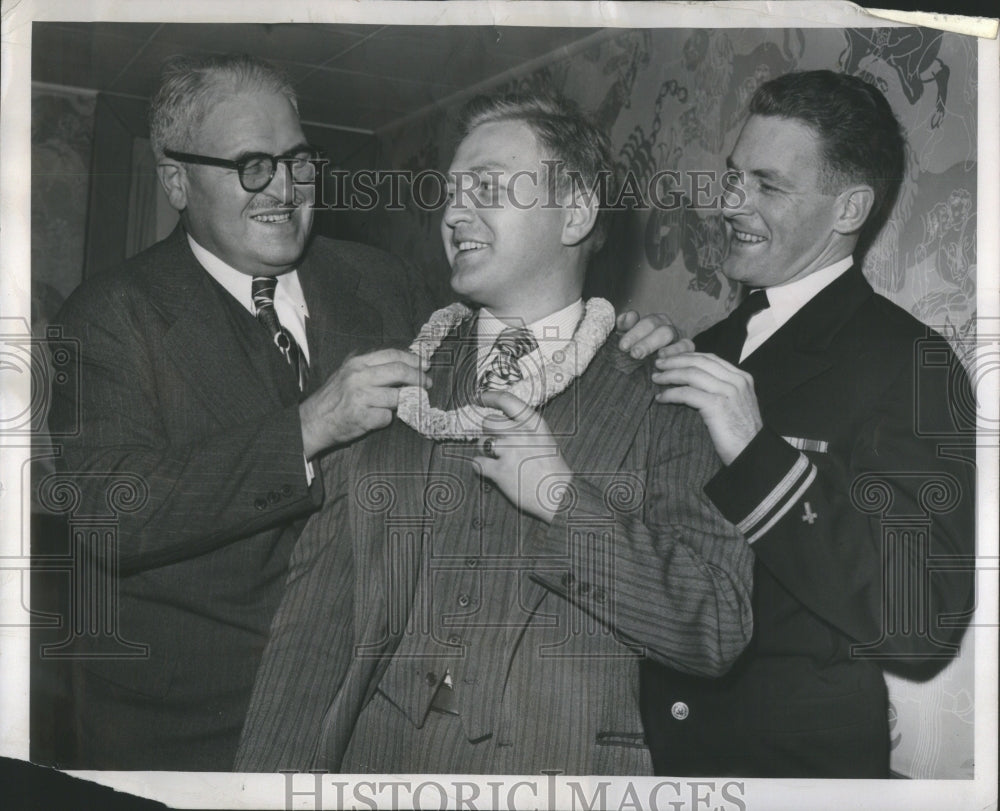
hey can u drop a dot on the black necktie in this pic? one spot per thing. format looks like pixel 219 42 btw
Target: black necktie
pixel 511 344
pixel 730 345
pixel 262 293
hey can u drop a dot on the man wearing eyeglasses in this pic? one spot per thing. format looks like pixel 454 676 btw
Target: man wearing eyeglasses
pixel 216 367
pixel 212 376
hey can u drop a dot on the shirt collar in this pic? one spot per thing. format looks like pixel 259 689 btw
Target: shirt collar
pixel 237 284
pixel 551 332
pixel 790 298
pixel 787 299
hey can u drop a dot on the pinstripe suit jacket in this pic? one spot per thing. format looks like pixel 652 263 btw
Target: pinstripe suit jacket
pixel 540 627
pixel 180 394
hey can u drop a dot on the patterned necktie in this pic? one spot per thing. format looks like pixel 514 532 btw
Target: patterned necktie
pixel 502 371
pixel 730 347
pixel 262 293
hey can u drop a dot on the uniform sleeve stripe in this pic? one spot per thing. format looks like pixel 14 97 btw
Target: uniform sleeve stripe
pixel 786 507
pixel 771 500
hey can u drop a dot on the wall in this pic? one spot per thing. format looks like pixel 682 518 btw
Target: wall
pixel 62 129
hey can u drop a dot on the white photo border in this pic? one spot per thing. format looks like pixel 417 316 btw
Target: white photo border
pixel 281 791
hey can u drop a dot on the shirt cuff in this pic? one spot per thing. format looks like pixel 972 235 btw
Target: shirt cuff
pixel 310 471
pixel 761 484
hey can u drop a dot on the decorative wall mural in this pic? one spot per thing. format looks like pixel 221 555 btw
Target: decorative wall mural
pixel 942 260
pixel 678 228
pixel 751 70
pixel 632 54
pixel 911 52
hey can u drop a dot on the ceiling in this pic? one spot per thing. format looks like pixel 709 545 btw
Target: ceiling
pixel 360 78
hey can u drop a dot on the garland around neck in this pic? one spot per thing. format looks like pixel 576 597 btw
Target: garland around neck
pixel 544 376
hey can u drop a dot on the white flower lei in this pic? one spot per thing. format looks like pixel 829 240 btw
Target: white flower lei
pixel 544 377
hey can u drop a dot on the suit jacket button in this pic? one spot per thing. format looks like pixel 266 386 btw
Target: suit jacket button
pixel 463 600
pixel 679 710
pixel 260 503
pixel 431 679
pixel 472 563
pixel 286 489
pixel 274 497
pixel 476 523
pixel 454 639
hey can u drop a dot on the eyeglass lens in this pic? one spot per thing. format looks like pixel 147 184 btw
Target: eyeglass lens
pixel 257 170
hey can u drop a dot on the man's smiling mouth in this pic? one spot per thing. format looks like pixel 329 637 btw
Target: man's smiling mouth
pixel 747 239
pixel 272 218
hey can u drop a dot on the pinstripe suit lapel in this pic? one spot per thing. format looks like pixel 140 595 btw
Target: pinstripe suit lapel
pixel 453 368
pixel 595 422
pixel 400 454
pixel 596 419
pixel 403 458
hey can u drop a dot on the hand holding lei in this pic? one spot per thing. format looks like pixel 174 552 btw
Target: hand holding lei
pixel 543 376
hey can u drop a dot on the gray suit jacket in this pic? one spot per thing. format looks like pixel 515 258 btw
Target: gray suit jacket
pixel 180 396
pixel 417 567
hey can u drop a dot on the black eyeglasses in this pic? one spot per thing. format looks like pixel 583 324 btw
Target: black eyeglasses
pixel 257 169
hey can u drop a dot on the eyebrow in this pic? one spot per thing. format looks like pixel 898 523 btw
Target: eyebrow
pixel 768 174
pixel 763 174
pixel 246 153
pixel 487 167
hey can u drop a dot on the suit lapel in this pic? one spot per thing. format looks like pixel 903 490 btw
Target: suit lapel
pixel 454 368
pixel 595 422
pixel 406 457
pixel 798 351
pixel 611 394
pixel 207 352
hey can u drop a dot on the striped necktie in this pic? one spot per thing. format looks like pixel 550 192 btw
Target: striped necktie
pixel 502 371
pixel 262 292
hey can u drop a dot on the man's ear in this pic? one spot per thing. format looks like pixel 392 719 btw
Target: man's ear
pixel 580 217
pixel 854 204
pixel 173 178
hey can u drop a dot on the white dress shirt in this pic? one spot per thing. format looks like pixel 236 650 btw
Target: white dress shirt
pixel 785 300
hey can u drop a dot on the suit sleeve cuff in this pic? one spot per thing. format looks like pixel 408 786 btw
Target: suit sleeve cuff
pixel 761 484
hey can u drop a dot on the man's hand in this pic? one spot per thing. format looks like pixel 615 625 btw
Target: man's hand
pixel 359 397
pixel 528 468
pixel 643 336
pixel 723 394
pixel 679 347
